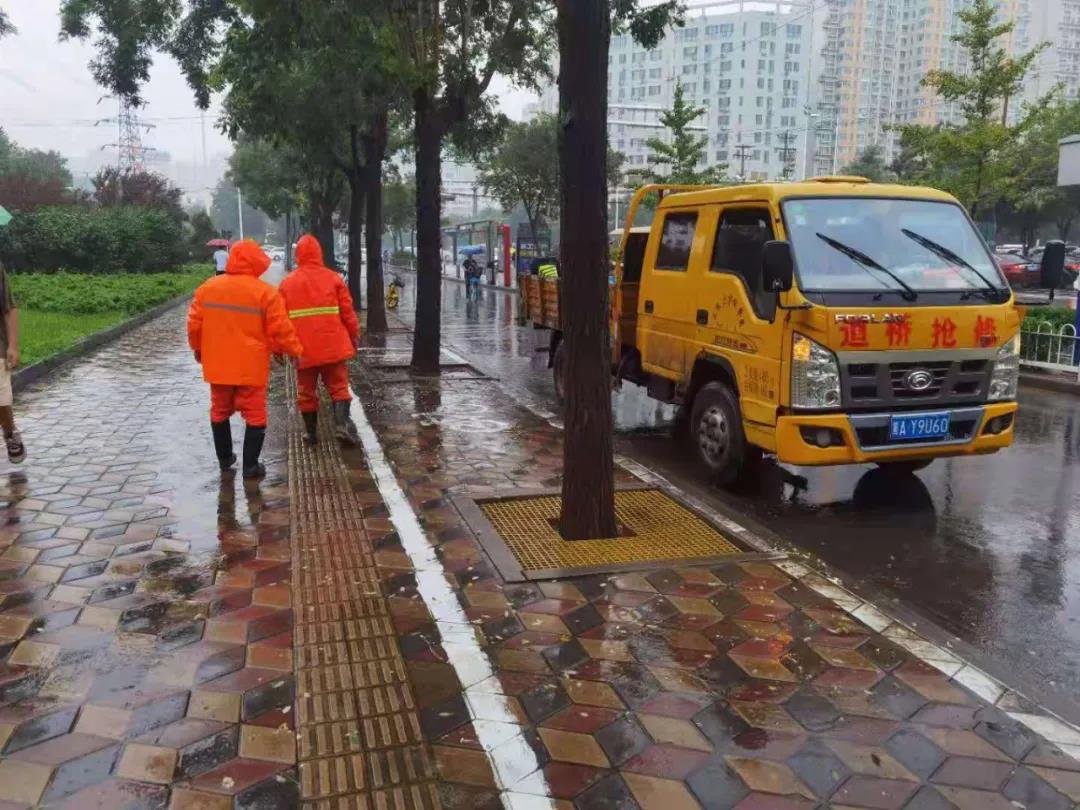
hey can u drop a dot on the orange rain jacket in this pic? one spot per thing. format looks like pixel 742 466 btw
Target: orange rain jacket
pixel 320 308
pixel 237 321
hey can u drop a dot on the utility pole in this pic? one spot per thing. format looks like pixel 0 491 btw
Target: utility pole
pixel 787 152
pixel 742 152
pixel 240 209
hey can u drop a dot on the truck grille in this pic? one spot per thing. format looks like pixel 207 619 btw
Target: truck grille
pixel 951 382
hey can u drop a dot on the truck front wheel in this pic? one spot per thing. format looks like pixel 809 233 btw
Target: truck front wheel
pixel 716 433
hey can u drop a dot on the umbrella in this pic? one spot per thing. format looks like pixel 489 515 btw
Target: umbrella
pixel 5 217
pixel 472 250
pixel 218 243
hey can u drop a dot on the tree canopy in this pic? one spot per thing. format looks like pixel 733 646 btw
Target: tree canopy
pixel 113 186
pixel 870 163
pixel 968 159
pixel 681 157
pixel 31 178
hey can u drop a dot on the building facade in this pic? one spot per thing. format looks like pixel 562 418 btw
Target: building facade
pixel 875 54
pixel 747 63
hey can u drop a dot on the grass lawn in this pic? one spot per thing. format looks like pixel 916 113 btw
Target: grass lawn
pixel 57 310
pixel 43 334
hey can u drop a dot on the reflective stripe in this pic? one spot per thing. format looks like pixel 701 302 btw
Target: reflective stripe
pixel 547 271
pixel 310 311
pixel 233 308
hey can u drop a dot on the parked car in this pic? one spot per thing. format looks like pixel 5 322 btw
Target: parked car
pixel 1019 270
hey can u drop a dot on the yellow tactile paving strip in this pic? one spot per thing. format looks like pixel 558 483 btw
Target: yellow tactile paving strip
pixel 359 740
pixel 660 529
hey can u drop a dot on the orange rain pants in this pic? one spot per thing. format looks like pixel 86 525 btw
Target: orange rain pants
pixel 335 377
pixel 250 400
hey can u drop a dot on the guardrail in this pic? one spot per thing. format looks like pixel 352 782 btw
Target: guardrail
pixel 1050 347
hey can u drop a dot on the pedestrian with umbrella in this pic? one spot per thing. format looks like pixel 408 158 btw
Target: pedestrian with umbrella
pixel 221 254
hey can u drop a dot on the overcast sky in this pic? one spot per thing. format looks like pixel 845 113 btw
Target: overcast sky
pixel 49 101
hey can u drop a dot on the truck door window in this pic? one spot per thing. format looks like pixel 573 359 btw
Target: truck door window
pixel 739 239
pixel 634 257
pixel 676 240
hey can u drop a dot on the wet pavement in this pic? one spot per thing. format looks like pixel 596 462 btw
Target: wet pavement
pixel 750 685
pixel 334 638
pixel 145 617
pixel 987 548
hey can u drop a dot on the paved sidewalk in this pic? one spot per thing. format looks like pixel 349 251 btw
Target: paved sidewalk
pixel 746 685
pixel 145 615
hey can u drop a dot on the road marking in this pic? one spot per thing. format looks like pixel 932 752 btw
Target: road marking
pixel 513 761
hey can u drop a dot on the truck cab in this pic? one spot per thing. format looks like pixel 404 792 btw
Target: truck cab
pixel 831 321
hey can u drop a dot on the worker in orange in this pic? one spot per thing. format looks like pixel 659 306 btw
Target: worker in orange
pixel 236 322
pixel 321 309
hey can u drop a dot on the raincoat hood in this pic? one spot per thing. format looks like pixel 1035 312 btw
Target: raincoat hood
pixel 247 259
pixel 309 251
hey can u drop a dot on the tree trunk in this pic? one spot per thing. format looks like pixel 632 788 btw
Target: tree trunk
pixel 425 357
pixel 357 187
pixel 374 152
pixel 322 220
pixel 288 241
pixel 356 227
pixel 588 491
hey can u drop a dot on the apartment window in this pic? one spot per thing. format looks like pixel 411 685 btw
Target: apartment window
pixel 724 84
pixel 759 119
pixel 768 29
pixel 637 92
pixel 689 70
pixel 690 88
pixel 761 65
pixel 622 58
pixel 756 155
pixel 727 47
pixel 654 73
pixel 761 83
pixel 712 30
pixel 654 90
pixel 637 75
pixel 725 66
pixel 721 155
pixel 727 29
pixel 760 101
pixel 689 53
pixel 723 121
pixel 794 31
pixel 757 137
pixel 724 102
pixel 686 34
pixel 656 56
pixel 639 57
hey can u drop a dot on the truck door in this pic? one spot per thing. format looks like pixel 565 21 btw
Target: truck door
pixel 666 327
pixel 729 309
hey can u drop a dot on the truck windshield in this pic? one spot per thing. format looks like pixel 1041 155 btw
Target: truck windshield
pixel 922 245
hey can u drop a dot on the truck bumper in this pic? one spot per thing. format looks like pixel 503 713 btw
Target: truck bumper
pixel 817 439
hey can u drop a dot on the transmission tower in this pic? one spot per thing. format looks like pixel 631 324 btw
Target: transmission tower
pixel 130 151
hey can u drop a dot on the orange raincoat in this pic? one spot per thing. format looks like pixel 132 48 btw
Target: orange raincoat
pixel 237 321
pixel 320 308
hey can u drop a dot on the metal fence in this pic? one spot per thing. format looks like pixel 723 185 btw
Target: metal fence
pixel 1050 346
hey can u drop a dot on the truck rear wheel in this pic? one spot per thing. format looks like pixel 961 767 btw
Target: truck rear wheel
pixel 716 433
pixel 905 467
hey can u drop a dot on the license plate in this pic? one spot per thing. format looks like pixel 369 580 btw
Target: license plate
pixel 919 426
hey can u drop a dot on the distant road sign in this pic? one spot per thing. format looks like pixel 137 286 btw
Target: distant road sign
pixel 1069 164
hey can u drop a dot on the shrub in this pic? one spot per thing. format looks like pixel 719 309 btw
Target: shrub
pixel 1056 316
pixel 123 239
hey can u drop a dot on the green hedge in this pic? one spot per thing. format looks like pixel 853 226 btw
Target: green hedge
pixel 1057 316
pixel 122 239
pixel 80 293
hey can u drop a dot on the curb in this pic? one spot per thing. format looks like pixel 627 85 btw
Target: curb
pixel 1050 382
pixel 28 375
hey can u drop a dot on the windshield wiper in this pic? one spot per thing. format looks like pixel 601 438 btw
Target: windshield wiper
pixel 865 261
pixel 943 252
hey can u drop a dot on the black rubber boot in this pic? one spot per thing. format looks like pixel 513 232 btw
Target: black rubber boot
pixel 223 444
pixel 253 442
pixel 344 428
pixel 311 427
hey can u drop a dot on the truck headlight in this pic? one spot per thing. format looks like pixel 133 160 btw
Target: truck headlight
pixel 1006 374
pixel 815 375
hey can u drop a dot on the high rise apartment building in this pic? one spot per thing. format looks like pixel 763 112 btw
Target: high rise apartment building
pixel 875 54
pixel 748 63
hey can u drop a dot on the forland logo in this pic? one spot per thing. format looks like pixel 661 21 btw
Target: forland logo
pixel 871 317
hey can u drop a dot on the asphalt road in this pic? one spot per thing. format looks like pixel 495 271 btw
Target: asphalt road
pixel 986 548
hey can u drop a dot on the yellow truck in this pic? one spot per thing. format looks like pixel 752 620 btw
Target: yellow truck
pixel 831 321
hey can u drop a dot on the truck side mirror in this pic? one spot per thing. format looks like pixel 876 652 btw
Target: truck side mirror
pixel 1052 267
pixel 777 266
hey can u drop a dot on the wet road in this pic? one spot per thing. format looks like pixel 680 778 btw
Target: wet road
pixel 985 548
